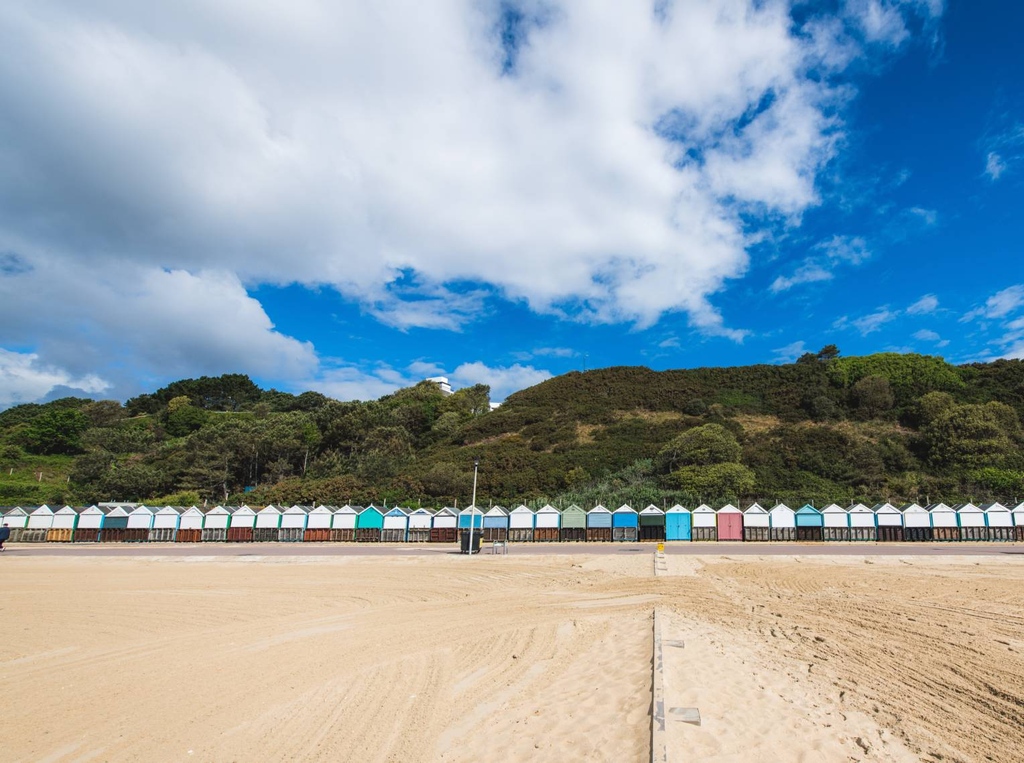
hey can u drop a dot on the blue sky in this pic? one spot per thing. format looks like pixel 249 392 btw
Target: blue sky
pixel 349 198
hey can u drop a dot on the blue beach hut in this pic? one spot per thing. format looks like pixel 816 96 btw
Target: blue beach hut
pixel 810 525
pixel 677 523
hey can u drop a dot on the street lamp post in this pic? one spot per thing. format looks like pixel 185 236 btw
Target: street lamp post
pixel 472 506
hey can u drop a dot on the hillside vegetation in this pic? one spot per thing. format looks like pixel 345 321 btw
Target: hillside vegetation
pixel 827 428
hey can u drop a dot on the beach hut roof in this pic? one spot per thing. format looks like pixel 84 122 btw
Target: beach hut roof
pixel 913 508
pixel 42 510
pixel 193 511
pixel 244 510
pixel 833 508
pixel 966 507
pixel 625 509
pixel 448 511
pixel 755 508
pixel 397 512
pixel 421 510
pixel 523 509
pixel 496 511
pixel 346 509
pixel 938 507
pixel 703 509
pixel 884 508
pixel 471 510
pixel 729 509
pixel 599 509
pixel 65 510
pixel 143 510
pixel 993 507
pixel 296 509
pixel 169 510
pixel 677 509
pixel 574 509
pixel 780 507
pixel 218 511
pixel 269 509
pixel 652 509
pixel 858 508
pixel 371 507
pixel 807 509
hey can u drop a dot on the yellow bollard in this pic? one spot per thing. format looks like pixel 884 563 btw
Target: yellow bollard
pixel 661 548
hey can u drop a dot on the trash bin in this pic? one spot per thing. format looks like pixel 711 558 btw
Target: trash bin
pixel 464 542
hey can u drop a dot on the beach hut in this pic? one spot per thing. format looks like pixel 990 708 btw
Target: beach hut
pixel 972 522
pixel 625 524
pixel 268 524
pixel 810 525
pixel 945 525
pixel 889 521
pixel 444 526
pixel 293 524
pixel 476 514
pixel 652 524
pixel 917 523
pixel 755 523
pixel 1017 513
pixel 705 523
pixel 419 525
pixel 862 523
pixel 369 523
pixel 520 524
pixel 242 525
pixel 782 522
pixel 599 524
pixel 495 524
pixel 574 524
pixel 729 520
pixel 999 521
pixel 396 526
pixel 215 524
pixel 677 523
pixel 165 524
pixel 548 523
pixel 39 524
pixel 836 522
pixel 318 525
pixel 90 519
pixel 343 524
pixel 63 528
pixel 15 519
pixel 115 522
pixel 190 525
pixel 140 522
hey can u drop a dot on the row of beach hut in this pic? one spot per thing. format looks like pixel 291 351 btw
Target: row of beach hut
pixel 883 522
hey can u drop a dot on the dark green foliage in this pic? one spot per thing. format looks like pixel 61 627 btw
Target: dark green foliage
pixel 883 427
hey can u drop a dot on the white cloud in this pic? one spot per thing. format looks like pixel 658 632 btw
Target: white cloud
pixel 503 381
pixel 24 379
pixel 616 172
pixel 1000 304
pixel 790 352
pixel 927 335
pixel 852 250
pixel 671 343
pixel 869 324
pixel 994 165
pixel 927 304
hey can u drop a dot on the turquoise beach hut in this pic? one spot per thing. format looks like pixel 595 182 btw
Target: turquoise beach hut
pixel 810 525
pixel 677 523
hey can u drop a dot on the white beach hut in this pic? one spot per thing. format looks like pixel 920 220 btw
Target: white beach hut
pixel 520 524
pixel 999 521
pixel 343 524
pixel 395 528
pixel 64 521
pixel 215 524
pixel 756 525
pixel 318 524
pixel 140 522
pixel 1017 512
pixel 115 522
pixel 945 524
pixel 836 523
pixel 165 524
pixel 241 524
pixel 419 525
pixel 293 523
pixel 495 524
pixel 15 519
pixel 548 521
pixel 862 523
pixel 782 521
pixel 889 521
pixel 972 522
pixel 705 523
pixel 917 523
pixel 190 525
pixel 268 523
pixel 40 522
pixel 90 520
pixel 444 527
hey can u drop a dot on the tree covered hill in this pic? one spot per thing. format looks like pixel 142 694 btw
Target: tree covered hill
pixel 827 428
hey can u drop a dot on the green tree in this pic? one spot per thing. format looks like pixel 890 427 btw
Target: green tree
pixel 57 431
pixel 969 437
pixel 700 446
pixel 183 418
pixel 873 396
pixel 715 482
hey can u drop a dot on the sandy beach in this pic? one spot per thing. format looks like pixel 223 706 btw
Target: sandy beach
pixel 541 658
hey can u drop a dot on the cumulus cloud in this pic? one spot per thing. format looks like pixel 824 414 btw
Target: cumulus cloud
pixel 603 164
pixel 24 379
pixel 927 304
pixel 927 335
pixel 503 381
